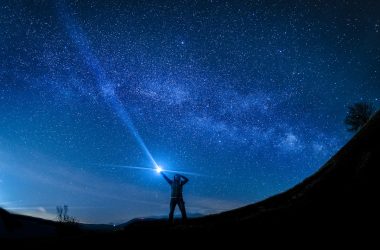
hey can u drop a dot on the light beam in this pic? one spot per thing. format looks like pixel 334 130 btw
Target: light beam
pixel 105 85
pixel 158 169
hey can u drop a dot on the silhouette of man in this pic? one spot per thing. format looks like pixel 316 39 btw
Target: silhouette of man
pixel 176 196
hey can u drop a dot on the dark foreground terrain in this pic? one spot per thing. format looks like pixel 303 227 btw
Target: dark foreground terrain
pixel 339 202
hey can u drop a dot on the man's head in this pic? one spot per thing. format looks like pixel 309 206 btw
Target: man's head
pixel 177 177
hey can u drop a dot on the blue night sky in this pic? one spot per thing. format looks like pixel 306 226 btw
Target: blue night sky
pixel 246 98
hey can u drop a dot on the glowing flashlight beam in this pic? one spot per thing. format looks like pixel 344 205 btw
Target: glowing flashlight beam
pixel 158 169
pixel 124 116
pixel 105 85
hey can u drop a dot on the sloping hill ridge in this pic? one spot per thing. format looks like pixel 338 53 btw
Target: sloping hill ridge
pixel 342 195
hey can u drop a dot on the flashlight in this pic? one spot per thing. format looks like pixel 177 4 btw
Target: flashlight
pixel 158 169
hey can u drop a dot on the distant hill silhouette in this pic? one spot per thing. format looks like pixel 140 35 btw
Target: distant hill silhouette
pixel 16 226
pixel 340 198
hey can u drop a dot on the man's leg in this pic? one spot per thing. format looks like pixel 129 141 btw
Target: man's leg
pixel 181 205
pixel 173 202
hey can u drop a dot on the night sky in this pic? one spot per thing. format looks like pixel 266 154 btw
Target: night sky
pixel 246 98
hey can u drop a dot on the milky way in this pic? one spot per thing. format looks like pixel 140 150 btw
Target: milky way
pixel 250 97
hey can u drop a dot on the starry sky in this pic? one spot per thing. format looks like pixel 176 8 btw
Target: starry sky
pixel 245 97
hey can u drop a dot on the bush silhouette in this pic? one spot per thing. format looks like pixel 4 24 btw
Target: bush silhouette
pixel 63 217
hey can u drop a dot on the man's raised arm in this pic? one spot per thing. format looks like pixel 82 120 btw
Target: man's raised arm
pixel 166 178
pixel 185 180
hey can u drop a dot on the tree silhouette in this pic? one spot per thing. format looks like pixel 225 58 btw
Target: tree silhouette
pixel 358 114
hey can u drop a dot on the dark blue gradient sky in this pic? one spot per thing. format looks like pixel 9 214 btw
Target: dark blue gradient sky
pixel 248 97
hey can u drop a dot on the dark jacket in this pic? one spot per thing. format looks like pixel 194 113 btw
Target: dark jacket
pixel 176 185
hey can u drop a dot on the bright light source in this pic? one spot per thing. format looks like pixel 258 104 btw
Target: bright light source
pixel 158 169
